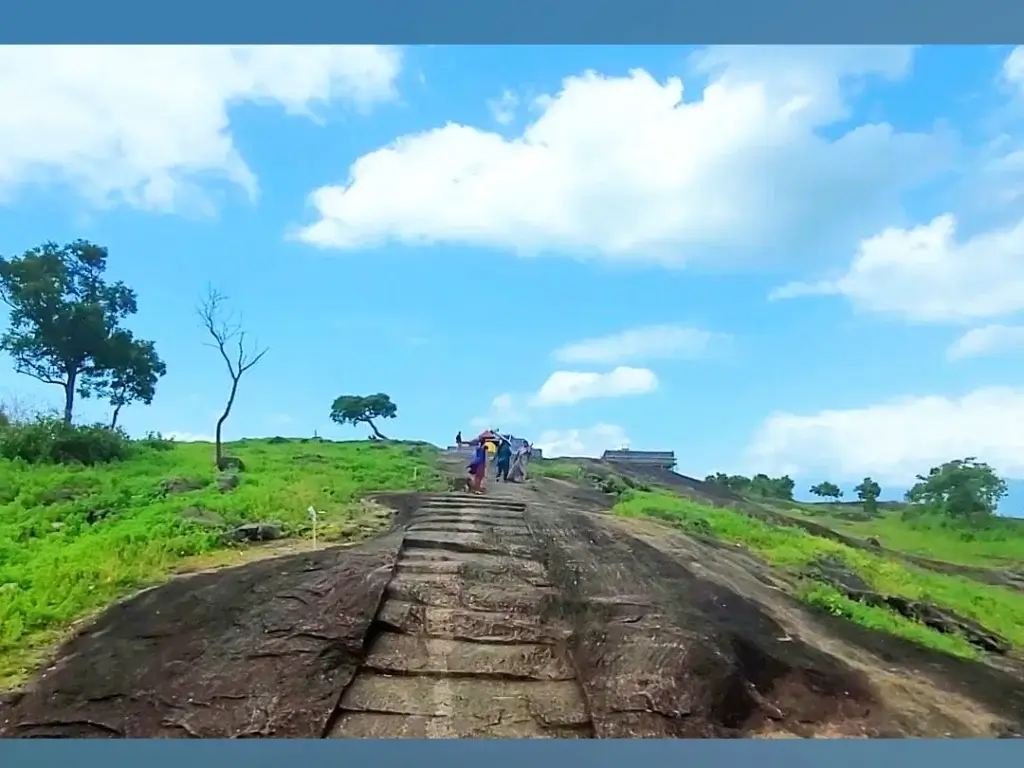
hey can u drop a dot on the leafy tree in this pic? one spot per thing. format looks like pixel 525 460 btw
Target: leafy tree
pixel 773 487
pixel 354 409
pixel 827 490
pixel 63 315
pixel 868 492
pixel 964 489
pixel 229 340
pixel 130 372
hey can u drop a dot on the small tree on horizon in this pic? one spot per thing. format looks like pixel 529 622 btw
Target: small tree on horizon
pixel 357 409
pixel 868 492
pixel 827 490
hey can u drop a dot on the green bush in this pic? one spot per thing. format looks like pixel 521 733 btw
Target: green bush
pixel 157 442
pixel 47 440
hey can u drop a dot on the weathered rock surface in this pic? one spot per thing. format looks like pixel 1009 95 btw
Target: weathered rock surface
pixel 516 615
pixel 260 650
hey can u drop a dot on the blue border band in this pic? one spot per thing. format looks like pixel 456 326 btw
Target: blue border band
pixel 514 754
pixel 522 21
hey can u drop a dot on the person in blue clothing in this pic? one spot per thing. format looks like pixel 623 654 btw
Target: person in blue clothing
pixel 503 458
pixel 478 468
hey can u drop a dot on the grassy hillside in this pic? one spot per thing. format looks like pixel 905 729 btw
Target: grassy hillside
pixel 72 539
pixel 995 608
pixel 997 544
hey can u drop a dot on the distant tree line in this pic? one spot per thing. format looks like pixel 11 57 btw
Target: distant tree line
pixel 964 490
pixel 759 485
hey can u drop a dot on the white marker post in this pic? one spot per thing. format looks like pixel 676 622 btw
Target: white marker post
pixel 313 514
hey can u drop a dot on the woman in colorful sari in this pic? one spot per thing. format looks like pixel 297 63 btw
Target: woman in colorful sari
pixel 478 469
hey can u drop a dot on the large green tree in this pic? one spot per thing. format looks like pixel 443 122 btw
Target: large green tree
pixel 356 409
pixel 964 489
pixel 66 319
pixel 827 490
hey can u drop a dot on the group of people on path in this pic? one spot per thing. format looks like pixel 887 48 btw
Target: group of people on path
pixel 508 455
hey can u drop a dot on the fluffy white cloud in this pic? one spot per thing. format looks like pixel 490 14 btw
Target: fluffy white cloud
pixel 926 274
pixel 647 343
pixel 143 124
pixel 894 441
pixel 504 410
pixel 987 340
pixel 504 109
pixel 625 167
pixel 568 387
pixel 582 442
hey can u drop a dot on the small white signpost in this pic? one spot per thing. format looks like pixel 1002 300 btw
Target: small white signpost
pixel 313 514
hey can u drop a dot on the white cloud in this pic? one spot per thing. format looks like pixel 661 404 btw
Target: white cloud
pixel 568 387
pixel 1013 68
pixel 504 109
pixel 504 410
pixel 987 340
pixel 188 437
pixel 926 274
pixel 626 168
pixel 144 125
pixel 647 343
pixel 582 442
pixel 897 440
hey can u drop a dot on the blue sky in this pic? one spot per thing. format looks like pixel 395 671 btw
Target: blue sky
pixel 803 260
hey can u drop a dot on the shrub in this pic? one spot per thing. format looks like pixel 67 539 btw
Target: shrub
pixel 157 442
pixel 47 440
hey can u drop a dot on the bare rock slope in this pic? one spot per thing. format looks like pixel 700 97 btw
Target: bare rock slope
pixel 525 613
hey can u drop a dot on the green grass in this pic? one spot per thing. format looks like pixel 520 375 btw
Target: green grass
pixel 1000 610
pixel 563 470
pixel 56 567
pixel 998 544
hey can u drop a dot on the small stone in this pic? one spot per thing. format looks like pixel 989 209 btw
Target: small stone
pixel 227 482
pixel 257 532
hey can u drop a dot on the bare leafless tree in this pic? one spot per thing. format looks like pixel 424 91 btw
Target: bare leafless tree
pixel 229 341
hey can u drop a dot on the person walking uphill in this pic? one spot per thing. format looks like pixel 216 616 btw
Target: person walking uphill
pixel 478 468
pixel 503 459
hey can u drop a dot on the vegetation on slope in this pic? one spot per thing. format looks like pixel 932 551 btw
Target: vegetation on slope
pixel 997 609
pixel 994 543
pixel 74 538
